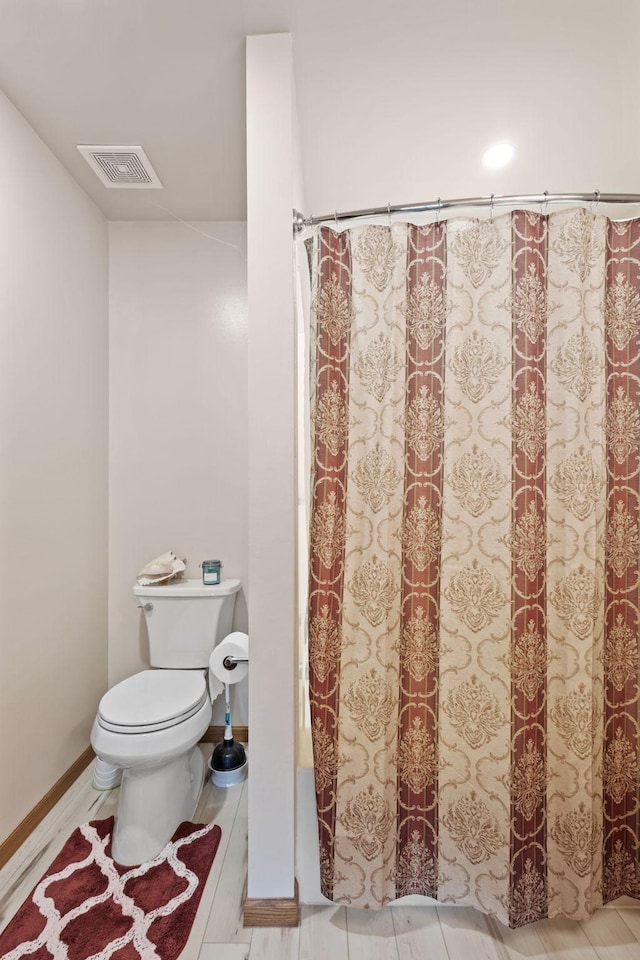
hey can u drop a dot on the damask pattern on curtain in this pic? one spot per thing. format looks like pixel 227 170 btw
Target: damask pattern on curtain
pixel 474 538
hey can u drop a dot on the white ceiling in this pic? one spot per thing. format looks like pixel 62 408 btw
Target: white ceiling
pixel 397 98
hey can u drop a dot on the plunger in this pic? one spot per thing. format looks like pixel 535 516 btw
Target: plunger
pixel 228 763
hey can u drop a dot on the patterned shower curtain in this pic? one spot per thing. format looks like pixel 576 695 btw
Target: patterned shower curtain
pixel 473 606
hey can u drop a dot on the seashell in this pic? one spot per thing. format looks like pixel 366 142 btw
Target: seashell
pixel 163 568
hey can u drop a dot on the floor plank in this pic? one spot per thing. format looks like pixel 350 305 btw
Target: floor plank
pixel 323 933
pixel 632 920
pixel 418 933
pixel 223 951
pixel 610 936
pixel 467 933
pixel 221 807
pixel 564 939
pixel 519 943
pixel 275 943
pixel 224 924
pixel 371 934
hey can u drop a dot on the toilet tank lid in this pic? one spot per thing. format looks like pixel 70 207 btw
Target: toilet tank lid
pixel 188 588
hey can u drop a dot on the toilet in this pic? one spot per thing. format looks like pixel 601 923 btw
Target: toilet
pixel 149 724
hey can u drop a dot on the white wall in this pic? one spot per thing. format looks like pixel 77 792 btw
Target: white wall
pixel 178 416
pixel 53 467
pixel 272 609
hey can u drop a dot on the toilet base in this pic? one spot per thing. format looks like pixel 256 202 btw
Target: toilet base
pixel 153 802
pixel 105 775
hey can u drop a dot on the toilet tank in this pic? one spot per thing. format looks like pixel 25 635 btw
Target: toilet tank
pixel 185 620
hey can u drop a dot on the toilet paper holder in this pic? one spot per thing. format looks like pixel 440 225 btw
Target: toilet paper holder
pixel 230 663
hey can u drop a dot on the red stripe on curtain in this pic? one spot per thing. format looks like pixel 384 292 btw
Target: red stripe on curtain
pixel 528 899
pixel 333 310
pixel 424 310
pixel 621 778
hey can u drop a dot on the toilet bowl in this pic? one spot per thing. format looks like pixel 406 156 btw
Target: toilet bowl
pixel 150 723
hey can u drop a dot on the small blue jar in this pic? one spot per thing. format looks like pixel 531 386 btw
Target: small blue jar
pixel 211 572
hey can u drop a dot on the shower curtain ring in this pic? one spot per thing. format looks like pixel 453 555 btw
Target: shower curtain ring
pixel 335 219
pixel 596 201
pixel 491 208
pixel 389 213
pixel 546 203
pixel 439 207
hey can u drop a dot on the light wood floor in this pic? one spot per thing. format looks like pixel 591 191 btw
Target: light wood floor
pixel 325 933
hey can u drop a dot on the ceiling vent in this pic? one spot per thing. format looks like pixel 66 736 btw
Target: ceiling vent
pixel 121 167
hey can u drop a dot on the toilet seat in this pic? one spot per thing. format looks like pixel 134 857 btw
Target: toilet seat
pixel 152 700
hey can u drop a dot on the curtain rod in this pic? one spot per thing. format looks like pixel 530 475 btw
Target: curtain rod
pixel 436 206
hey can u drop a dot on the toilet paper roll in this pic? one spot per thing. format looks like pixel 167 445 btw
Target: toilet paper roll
pixel 235 645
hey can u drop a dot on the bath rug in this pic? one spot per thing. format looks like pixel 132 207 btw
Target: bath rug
pixel 89 906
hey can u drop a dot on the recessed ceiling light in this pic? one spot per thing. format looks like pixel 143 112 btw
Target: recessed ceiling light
pixel 498 156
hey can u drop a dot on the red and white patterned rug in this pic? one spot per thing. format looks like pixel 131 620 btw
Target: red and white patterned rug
pixel 88 906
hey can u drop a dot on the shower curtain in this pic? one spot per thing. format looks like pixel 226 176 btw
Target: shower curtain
pixel 474 548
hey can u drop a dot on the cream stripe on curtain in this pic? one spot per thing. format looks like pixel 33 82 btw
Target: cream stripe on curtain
pixel 473 605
